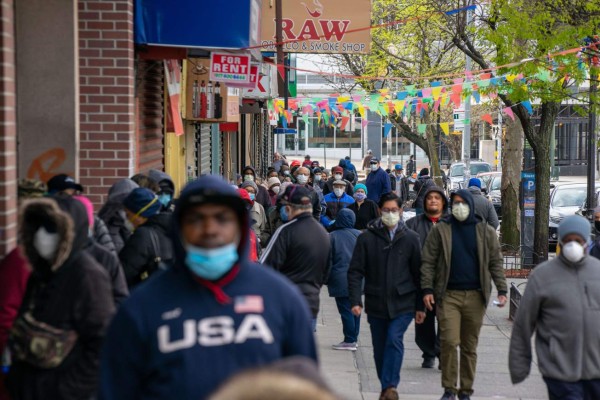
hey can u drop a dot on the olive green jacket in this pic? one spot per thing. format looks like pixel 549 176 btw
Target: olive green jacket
pixel 437 256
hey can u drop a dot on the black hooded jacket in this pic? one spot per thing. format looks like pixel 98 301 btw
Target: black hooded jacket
pixel 138 257
pixel 71 292
pixel 421 186
pixel 421 223
pixel 390 269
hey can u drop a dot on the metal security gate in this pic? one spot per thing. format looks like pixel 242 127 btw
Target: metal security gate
pixel 203 149
pixel 149 109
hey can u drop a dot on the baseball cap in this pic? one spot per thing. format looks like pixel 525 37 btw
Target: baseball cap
pixel 374 160
pixel 62 182
pixel 296 195
pixel 340 182
pixel 337 169
pixel 398 166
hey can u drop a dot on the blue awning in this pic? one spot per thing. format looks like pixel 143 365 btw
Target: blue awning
pixel 206 24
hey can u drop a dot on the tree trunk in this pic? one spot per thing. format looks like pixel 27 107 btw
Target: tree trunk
pixel 434 161
pixel 540 143
pixel 406 131
pixel 512 158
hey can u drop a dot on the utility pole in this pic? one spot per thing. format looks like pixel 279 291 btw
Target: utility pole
pixel 591 142
pixel 466 143
pixel 499 140
pixel 282 82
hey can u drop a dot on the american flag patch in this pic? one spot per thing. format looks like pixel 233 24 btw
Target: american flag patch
pixel 248 304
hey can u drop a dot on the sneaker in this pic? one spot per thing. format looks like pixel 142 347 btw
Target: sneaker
pixel 428 362
pixel 464 396
pixel 389 394
pixel 448 396
pixel 345 346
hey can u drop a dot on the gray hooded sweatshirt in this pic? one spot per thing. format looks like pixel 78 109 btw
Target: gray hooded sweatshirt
pixel 562 305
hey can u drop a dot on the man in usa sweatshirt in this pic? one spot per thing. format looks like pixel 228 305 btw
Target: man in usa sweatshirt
pixel 187 329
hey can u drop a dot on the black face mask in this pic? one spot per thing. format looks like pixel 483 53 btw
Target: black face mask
pixel 597 225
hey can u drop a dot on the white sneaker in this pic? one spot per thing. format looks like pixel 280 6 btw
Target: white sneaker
pixel 345 346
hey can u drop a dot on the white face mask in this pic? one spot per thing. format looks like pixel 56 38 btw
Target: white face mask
pixel 249 178
pixel 129 225
pixel 461 211
pixel 573 251
pixel 374 167
pixel 317 178
pixel 45 243
pixel 338 177
pixel 390 219
pixel 276 189
pixel 302 179
pixel 338 192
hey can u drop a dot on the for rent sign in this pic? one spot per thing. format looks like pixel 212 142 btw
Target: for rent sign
pixel 230 68
pixel 319 26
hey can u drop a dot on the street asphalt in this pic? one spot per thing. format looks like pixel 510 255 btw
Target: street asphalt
pixel 352 374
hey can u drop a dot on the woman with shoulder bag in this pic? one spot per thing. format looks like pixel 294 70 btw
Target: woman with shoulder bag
pixel 56 339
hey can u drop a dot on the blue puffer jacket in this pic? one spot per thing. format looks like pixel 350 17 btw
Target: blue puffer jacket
pixel 343 240
pixel 334 205
pixel 378 183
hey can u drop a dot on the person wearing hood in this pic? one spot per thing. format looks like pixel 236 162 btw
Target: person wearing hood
pixel 343 239
pixel 351 170
pixel 148 249
pixel 296 248
pixel 56 339
pixel 318 180
pixel 483 207
pixel 302 175
pixel 274 187
pixel 460 259
pixel 435 206
pixel 262 196
pixel 365 210
pixel 423 183
pixel 337 174
pixel 113 214
pixel 387 257
pixel 378 181
pixel 258 215
pixel 560 306
pixel 166 191
pixel 213 314
pixel 104 257
pixel 274 220
pixel 595 246
pixel 335 202
pixel 65 185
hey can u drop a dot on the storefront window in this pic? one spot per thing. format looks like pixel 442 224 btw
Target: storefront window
pixel 320 136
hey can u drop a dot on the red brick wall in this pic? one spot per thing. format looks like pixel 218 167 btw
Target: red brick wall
pixel 8 131
pixel 107 120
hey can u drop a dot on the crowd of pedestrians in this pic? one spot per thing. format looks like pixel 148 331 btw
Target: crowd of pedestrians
pixel 202 293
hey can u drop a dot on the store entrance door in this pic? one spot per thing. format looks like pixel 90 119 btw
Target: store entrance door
pixel 295 144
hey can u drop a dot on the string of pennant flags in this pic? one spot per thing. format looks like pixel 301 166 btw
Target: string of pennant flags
pixel 337 110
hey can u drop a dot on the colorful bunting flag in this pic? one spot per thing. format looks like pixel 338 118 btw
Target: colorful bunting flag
pixel 487 118
pixel 527 105
pixel 387 129
pixel 422 128
pixel 508 111
pixel 445 127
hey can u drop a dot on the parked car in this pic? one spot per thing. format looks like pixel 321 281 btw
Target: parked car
pixel 493 188
pixel 584 211
pixel 485 178
pixel 565 200
pixel 457 172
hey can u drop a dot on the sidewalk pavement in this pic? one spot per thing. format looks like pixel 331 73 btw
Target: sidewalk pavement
pixel 352 374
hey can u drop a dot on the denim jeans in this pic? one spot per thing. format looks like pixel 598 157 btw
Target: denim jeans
pixel 350 323
pixel 581 390
pixel 388 347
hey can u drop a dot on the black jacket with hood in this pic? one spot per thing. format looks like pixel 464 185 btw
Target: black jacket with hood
pixel 263 193
pixel 140 253
pixel 421 186
pixel 72 292
pixel 113 212
pixel 421 223
pixel 166 184
pixel 390 269
pixel 265 319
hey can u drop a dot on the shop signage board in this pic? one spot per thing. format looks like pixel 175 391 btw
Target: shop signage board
pixel 230 68
pixel 319 26
pixel 254 75
pixel 265 85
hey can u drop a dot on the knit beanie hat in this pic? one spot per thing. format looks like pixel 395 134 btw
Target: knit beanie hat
pixel 361 186
pixel 475 182
pixel 142 201
pixel 251 184
pixel 575 224
pixel 273 181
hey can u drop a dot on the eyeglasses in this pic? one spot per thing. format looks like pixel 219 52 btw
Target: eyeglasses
pixel 390 210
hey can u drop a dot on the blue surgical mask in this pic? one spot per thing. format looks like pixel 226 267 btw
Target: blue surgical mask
pixel 360 196
pixel 284 215
pixel 252 196
pixel 164 199
pixel 211 264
